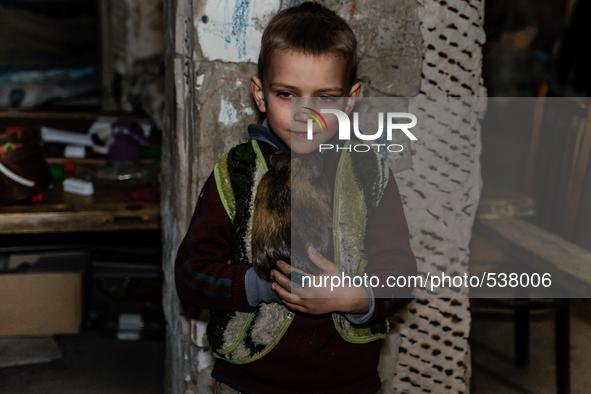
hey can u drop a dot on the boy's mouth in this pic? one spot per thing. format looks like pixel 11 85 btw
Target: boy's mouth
pixel 300 134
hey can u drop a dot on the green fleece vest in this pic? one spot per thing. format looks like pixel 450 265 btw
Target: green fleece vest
pixel 240 337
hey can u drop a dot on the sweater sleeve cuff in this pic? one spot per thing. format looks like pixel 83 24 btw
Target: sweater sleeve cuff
pixel 360 318
pixel 239 290
pixel 258 290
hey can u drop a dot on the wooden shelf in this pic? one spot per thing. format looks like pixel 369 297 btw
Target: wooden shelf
pixel 89 160
pixel 12 114
pixel 66 213
pixel 499 201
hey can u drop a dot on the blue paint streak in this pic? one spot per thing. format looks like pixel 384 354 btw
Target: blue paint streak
pixel 239 24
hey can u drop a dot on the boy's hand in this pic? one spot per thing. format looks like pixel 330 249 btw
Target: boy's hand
pixel 319 300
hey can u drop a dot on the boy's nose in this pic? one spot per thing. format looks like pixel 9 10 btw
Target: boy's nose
pixel 304 108
pixel 301 115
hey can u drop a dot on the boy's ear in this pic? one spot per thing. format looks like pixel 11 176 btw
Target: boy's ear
pixel 355 90
pixel 258 93
pixel 353 95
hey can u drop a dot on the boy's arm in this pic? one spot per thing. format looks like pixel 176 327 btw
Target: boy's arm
pixel 203 277
pixel 389 254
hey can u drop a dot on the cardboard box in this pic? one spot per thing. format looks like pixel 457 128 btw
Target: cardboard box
pixel 44 300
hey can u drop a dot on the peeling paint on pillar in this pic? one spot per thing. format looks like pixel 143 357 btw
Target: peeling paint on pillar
pixel 199 81
pixel 231 30
pixel 227 113
pixel 224 107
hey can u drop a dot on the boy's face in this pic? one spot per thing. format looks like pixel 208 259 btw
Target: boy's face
pixel 292 74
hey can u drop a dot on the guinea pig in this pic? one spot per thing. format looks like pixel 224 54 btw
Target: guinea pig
pixel 292 211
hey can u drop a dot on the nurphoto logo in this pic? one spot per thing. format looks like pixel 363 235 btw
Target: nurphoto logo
pixel 345 128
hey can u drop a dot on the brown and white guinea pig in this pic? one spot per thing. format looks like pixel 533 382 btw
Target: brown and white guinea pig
pixel 292 211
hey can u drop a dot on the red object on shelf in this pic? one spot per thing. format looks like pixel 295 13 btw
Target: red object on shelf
pixel 13 129
pixel 69 167
pixel 149 195
pixel 37 198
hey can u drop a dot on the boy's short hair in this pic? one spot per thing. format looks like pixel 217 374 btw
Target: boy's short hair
pixel 313 29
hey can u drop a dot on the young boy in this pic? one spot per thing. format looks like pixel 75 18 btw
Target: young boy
pixel 267 339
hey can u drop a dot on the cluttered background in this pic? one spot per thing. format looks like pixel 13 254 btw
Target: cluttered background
pixel 83 123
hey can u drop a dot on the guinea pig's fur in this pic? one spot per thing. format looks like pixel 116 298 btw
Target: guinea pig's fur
pixel 294 184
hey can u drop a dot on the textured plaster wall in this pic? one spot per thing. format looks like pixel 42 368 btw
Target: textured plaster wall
pixel 212 47
pixel 441 193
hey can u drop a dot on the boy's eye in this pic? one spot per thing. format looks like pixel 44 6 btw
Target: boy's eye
pixel 285 95
pixel 326 99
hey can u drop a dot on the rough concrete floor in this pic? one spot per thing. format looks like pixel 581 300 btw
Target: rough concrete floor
pixel 92 364
pixel 493 368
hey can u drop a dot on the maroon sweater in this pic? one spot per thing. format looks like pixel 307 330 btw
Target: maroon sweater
pixel 311 357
